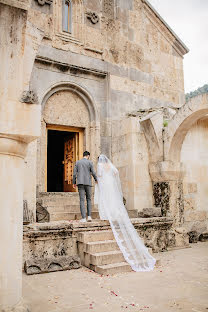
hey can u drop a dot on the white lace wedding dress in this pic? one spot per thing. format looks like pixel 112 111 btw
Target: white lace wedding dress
pixel 109 197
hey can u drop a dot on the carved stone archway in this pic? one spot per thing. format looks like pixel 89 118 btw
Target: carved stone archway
pixel 166 170
pixel 92 126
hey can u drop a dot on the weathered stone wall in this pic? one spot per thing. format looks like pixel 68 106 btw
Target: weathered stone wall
pixel 130 156
pixel 142 54
pixel 194 154
pixel 49 245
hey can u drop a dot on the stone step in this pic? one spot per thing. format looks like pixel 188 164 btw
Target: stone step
pixel 132 213
pixel 107 257
pixel 60 202
pixel 72 208
pixel 49 195
pixel 95 236
pixel 101 246
pixel 66 208
pixel 112 268
pixel 58 216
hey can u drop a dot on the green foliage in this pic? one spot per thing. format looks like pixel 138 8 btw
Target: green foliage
pixel 165 123
pixel 199 91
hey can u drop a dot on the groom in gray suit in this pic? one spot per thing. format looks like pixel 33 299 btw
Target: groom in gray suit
pixel 83 170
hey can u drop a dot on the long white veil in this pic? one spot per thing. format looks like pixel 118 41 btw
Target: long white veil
pixel 109 197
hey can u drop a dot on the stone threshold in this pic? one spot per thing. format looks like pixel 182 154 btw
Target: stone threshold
pixel 57 194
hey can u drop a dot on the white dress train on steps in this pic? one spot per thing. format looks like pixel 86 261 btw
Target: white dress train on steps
pixel 109 197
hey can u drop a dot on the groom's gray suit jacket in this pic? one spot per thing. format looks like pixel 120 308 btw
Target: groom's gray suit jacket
pixel 83 170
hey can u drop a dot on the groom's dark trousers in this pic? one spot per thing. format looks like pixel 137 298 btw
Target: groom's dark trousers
pixel 85 189
pixel 83 170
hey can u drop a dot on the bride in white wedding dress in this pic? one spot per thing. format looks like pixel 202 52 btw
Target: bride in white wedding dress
pixel 109 197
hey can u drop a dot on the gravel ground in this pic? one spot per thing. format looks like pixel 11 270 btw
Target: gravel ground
pixel 179 283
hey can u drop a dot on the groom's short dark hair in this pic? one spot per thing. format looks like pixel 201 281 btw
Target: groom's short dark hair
pixel 86 153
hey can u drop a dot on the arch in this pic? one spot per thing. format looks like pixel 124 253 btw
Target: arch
pixel 78 90
pixel 183 120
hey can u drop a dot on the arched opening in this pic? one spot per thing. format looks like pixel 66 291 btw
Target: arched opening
pixel 186 142
pixel 181 132
pixel 68 127
pixel 67 124
pixel 179 126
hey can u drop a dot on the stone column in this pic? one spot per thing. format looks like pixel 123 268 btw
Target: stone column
pixel 19 125
pixel 12 153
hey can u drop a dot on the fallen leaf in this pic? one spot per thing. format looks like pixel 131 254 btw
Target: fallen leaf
pixel 113 293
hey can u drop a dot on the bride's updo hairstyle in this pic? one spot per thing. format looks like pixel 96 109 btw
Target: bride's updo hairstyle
pixel 103 159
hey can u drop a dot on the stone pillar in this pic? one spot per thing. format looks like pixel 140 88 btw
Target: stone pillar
pixel 19 125
pixel 12 153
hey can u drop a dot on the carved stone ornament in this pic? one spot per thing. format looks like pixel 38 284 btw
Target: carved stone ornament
pixel 29 97
pixel 93 17
pixel 61 263
pixel 42 2
pixel 108 8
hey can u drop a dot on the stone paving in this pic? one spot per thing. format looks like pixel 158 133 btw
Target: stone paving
pixel 180 283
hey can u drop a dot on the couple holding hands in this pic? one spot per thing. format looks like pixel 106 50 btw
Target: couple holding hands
pixel 109 198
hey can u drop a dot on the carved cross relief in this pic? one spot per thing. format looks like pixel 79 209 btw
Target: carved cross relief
pixel 108 8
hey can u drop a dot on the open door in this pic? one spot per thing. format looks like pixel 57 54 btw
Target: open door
pixel 64 147
pixel 71 155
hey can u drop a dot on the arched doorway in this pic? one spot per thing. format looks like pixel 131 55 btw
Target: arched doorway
pixel 69 126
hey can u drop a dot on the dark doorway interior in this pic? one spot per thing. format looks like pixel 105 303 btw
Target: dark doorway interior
pixel 55 158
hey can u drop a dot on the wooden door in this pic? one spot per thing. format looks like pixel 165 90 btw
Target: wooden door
pixel 71 152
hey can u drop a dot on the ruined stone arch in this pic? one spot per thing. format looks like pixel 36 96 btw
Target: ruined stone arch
pixel 178 127
pixel 153 142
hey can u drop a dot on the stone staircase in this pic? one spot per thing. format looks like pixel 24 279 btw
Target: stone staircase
pixel 99 252
pixel 63 206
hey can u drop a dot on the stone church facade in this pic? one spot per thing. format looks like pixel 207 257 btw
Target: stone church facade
pixel 116 62
pixel 104 76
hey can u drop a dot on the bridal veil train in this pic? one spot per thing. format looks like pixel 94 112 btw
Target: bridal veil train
pixel 109 197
